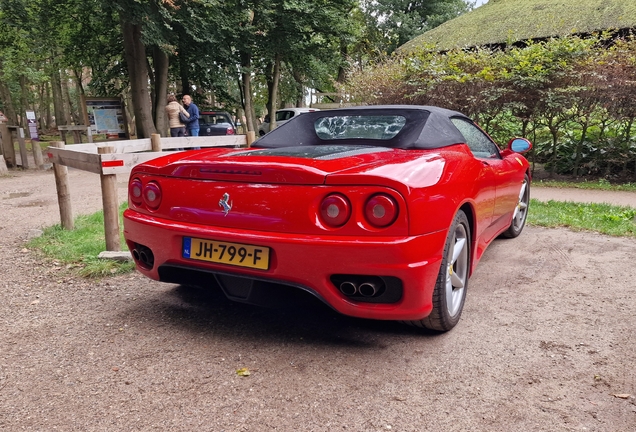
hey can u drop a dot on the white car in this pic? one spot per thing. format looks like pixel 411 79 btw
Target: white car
pixel 283 115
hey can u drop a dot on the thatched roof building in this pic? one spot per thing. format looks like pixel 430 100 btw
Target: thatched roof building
pixel 507 21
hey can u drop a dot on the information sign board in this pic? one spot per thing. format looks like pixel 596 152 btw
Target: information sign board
pixel 107 116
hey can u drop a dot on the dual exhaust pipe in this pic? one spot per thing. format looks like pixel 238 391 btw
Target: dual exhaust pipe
pixel 365 288
pixel 144 256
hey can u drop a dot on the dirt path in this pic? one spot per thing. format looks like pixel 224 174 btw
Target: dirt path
pixel 546 342
pixel 619 198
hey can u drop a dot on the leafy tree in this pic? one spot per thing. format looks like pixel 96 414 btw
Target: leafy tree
pixel 21 57
pixel 399 21
pixel 301 35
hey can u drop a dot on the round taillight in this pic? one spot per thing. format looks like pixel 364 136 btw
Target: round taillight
pixel 135 189
pixel 335 210
pixel 381 211
pixel 152 195
pixel 230 131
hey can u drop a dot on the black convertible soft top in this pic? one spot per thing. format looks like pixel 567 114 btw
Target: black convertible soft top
pixel 426 127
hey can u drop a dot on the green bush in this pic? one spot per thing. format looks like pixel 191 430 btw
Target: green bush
pixel 573 97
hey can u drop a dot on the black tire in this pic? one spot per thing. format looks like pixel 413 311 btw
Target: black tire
pixel 452 281
pixel 521 211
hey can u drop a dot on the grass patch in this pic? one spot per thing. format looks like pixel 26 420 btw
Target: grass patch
pixel 600 184
pixel 79 248
pixel 602 218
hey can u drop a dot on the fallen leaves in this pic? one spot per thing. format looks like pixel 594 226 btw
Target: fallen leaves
pixel 243 372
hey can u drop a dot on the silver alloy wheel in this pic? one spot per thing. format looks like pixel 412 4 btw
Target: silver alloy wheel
pixel 457 273
pixel 521 211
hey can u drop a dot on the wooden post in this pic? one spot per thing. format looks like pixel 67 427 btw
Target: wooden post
pixel 250 137
pixel 155 142
pixel 7 145
pixel 63 190
pixel 84 112
pixel 89 134
pixel 37 154
pixel 111 205
pixel 23 150
pixel 3 166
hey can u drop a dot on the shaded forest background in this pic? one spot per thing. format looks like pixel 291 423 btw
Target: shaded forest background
pixel 247 56
pixel 572 96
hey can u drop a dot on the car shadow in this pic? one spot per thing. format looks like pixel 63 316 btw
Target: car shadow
pixel 300 319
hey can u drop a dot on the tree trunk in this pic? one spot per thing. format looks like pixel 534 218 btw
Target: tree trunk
pixel 183 68
pixel 130 114
pixel 78 83
pixel 254 119
pixel 41 119
pixel 524 126
pixel 342 73
pixel 269 80
pixel 161 62
pixel 246 80
pixel 272 86
pixel 578 153
pixel 58 103
pixel 7 102
pixel 79 89
pixel 71 115
pixel 135 54
pixel 151 79
pixel 240 117
pixel 555 139
pixel 47 101
pixel 24 102
pixel 300 96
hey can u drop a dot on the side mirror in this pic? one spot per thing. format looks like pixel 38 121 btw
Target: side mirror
pixel 520 145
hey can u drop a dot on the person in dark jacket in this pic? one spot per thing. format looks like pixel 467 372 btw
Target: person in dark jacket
pixel 193 122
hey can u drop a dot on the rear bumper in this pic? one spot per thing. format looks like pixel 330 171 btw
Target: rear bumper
pixel 306 261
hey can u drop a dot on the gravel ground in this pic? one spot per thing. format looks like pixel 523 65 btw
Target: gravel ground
pixel 546 342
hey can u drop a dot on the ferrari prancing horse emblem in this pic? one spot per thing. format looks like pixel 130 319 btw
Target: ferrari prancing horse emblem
pixel 225 203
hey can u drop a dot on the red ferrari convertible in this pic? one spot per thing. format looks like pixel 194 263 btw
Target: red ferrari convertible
pixel 381 212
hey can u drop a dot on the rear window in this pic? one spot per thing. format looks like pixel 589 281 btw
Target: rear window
pixel 215 118
pixel 284 115
pixel 378 127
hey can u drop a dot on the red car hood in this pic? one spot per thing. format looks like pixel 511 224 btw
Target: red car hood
pixel 305 165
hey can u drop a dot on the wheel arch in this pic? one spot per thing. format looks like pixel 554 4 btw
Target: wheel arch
pixel 469 211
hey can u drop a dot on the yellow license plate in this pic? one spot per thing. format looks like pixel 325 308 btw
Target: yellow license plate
pixel 235 254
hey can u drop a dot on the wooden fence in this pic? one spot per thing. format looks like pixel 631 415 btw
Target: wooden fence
pixel 8 150
pixel 119 157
